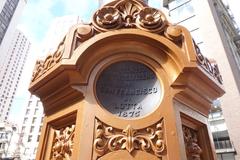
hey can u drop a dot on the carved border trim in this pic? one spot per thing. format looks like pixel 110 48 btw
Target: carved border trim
pixel 108 139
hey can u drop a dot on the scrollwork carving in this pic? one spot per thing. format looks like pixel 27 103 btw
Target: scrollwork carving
pixel 193 150
pixel 150 139
pixel 42 67
pixel 63 143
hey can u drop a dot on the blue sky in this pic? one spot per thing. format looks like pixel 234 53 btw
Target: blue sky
pixel 38 14
pixel 36 19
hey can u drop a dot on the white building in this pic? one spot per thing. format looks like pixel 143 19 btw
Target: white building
pixel 10 12
pixel 224 146
pixel 32 122
pixel 11 71
pixel 31 128
pixel 8 140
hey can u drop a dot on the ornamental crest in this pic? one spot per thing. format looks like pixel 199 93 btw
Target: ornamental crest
pixel 129 14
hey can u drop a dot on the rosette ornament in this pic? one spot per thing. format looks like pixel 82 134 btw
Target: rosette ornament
pixel 107 18
pixel 150 19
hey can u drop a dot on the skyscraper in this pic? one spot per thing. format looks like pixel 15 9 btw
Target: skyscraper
pixel 11 71
pixel 10 12
pixel 31 128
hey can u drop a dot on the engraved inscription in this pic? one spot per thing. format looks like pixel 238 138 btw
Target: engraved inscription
pixel 128 89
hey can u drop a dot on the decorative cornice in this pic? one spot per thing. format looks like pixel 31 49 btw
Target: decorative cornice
pixel 211 68
pixel 63 143
pixel 108 139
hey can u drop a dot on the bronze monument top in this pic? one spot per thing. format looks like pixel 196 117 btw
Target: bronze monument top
pixel 129 85
pixel 123 14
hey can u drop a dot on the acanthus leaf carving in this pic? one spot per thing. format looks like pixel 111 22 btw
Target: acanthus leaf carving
pixel 63 143
pixel 193 150
pixel 108 139
pixel 129 13
pixel 42 67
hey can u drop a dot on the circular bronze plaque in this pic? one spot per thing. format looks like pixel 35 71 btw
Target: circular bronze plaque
pixel 128 89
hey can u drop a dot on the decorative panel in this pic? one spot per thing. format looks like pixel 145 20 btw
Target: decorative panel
pixel 63 143
pixel 108 139
pixel 193 149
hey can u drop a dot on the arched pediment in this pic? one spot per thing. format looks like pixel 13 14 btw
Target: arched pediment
pixel 130 41
pixel 127 28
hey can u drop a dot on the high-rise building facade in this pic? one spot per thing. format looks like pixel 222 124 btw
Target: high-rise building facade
pixel 31 128
pixel 10 12
pixel 11 71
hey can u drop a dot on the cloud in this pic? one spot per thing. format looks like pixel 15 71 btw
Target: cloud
pixel 39 14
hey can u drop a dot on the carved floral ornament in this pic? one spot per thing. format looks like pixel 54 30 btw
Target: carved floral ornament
pixel 108 139
pixel 193 150
pixel 63 143
pixel 129 14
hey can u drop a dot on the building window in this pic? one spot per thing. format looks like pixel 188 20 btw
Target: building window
pixel 40 128
pixel 34 120
pixel 38 138
pixel 30 138
pixel 29 103
pixel 25 120
pixel 42 119
pixel 27 111
pixel 38 102
pixel 23 129
pixel 32 128
pixel 36 110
